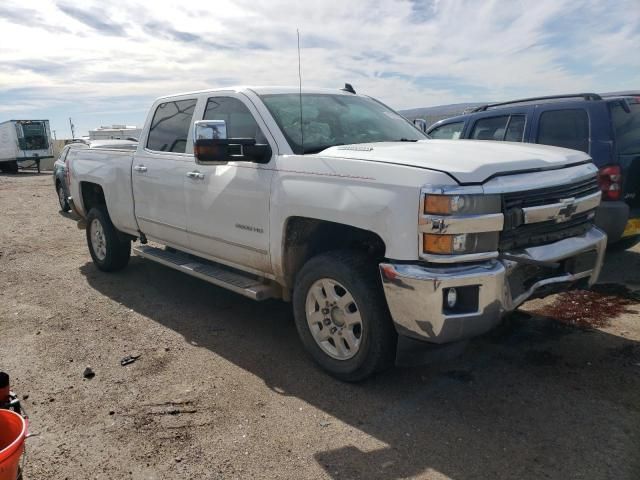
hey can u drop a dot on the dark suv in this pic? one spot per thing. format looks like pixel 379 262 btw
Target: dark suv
pixel 606 126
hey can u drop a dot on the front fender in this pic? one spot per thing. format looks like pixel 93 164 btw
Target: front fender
pixel 381 198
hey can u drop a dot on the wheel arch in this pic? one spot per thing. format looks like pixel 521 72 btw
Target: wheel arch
pixel 92 196
pixel 305 238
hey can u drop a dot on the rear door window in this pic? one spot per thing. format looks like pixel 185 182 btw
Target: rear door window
pixel 626 127
pixel 450 131
pixel 170 126
pixel 565 128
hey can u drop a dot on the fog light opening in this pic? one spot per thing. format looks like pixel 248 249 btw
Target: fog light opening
pixel 452 297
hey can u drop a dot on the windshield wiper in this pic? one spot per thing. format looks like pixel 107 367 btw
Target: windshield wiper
pixel 406 140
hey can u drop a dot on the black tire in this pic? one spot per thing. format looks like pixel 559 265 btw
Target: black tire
pixel 358 273
pixel 9 167
pixel 117 246
pixel 62 198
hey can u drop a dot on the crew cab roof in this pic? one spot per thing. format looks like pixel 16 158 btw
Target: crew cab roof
pixel 262 90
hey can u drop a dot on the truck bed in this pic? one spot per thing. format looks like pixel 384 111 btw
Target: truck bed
pixel 110 168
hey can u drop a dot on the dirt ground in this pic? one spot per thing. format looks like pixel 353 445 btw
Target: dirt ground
pixel 223 389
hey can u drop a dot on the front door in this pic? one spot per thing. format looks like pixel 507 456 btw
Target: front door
pixel 228 205
pixel 159 173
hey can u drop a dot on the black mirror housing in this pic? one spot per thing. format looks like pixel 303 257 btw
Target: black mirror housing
pixel 223 150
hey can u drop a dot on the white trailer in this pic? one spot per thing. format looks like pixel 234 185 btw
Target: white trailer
pixel 115 132
pixel 24 143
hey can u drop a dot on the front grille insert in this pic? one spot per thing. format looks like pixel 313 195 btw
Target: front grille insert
pixel 545 196
pixel 535 234
pixel 518 235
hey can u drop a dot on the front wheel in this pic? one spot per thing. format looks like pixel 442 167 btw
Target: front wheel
pixel 342 317
pixel 110 249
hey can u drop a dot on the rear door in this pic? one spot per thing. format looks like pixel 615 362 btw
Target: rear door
pixel 625 120
pixel 228 205
pixel 159 170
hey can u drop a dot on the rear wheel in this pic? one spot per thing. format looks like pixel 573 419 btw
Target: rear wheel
pixel 109 248
pixel 342 317
pixel 62 198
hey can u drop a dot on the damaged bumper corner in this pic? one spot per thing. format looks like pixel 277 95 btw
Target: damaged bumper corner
pixel 417 294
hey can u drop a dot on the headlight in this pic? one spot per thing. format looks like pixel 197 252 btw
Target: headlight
pixel 461 204
pixel 461 243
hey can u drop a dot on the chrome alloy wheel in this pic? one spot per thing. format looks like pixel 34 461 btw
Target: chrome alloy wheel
pixel 334 319
pixel 98 240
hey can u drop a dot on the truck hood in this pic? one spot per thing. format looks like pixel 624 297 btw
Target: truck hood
pixel 468 161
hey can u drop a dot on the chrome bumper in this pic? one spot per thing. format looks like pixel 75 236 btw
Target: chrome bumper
pixel 416 293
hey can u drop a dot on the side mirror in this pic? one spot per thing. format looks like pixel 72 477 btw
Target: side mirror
pixel 212 147
pixel 420 124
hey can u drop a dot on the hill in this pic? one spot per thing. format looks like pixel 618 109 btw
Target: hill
pixel 434 114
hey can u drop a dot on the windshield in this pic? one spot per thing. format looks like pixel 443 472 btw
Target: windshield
pixel 330 120
pixel 32 136
pixel 626 125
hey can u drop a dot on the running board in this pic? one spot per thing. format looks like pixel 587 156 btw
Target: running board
pixel 220 275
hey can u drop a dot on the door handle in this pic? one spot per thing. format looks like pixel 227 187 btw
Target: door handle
pixel 197 175
pixel 140 168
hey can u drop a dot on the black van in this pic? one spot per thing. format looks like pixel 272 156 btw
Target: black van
pixel 605 126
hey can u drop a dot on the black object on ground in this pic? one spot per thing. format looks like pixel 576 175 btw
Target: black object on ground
pixel 129 359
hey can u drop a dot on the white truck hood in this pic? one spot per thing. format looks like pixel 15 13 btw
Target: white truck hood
pixel 468 161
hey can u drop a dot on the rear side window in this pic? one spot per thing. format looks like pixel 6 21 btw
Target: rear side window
pixel 170 126
pixel 492 128
pixel 565 128
pixel 626 126
pixel 450 131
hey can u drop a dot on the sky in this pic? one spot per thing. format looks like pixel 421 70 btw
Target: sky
pixel 103 63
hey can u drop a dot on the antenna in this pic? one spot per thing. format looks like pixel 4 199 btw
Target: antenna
pixel 300 90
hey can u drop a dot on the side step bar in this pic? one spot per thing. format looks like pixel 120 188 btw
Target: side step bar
pixel 220 275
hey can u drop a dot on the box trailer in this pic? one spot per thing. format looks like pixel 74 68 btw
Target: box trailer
pixel 23 143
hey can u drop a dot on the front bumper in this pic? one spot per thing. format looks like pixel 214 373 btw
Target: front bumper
pixel 416 293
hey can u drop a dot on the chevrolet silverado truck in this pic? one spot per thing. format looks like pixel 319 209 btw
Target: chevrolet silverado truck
pixel 381 238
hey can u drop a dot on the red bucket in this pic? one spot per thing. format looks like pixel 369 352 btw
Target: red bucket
pixel 13 431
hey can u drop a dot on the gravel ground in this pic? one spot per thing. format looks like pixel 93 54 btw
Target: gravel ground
pixel 222 387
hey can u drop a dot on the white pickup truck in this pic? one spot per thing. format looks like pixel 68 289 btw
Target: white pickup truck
pixel 379 236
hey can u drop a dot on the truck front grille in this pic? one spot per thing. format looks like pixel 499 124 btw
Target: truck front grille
pixel 518 235
pixel 544 196
pixel 541 233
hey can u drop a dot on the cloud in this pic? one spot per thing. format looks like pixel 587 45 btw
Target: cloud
pixel 28 17
pixel 95 19
pixel 407 53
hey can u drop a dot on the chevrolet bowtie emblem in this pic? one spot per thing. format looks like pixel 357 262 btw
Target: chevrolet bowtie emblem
pixel 568 209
